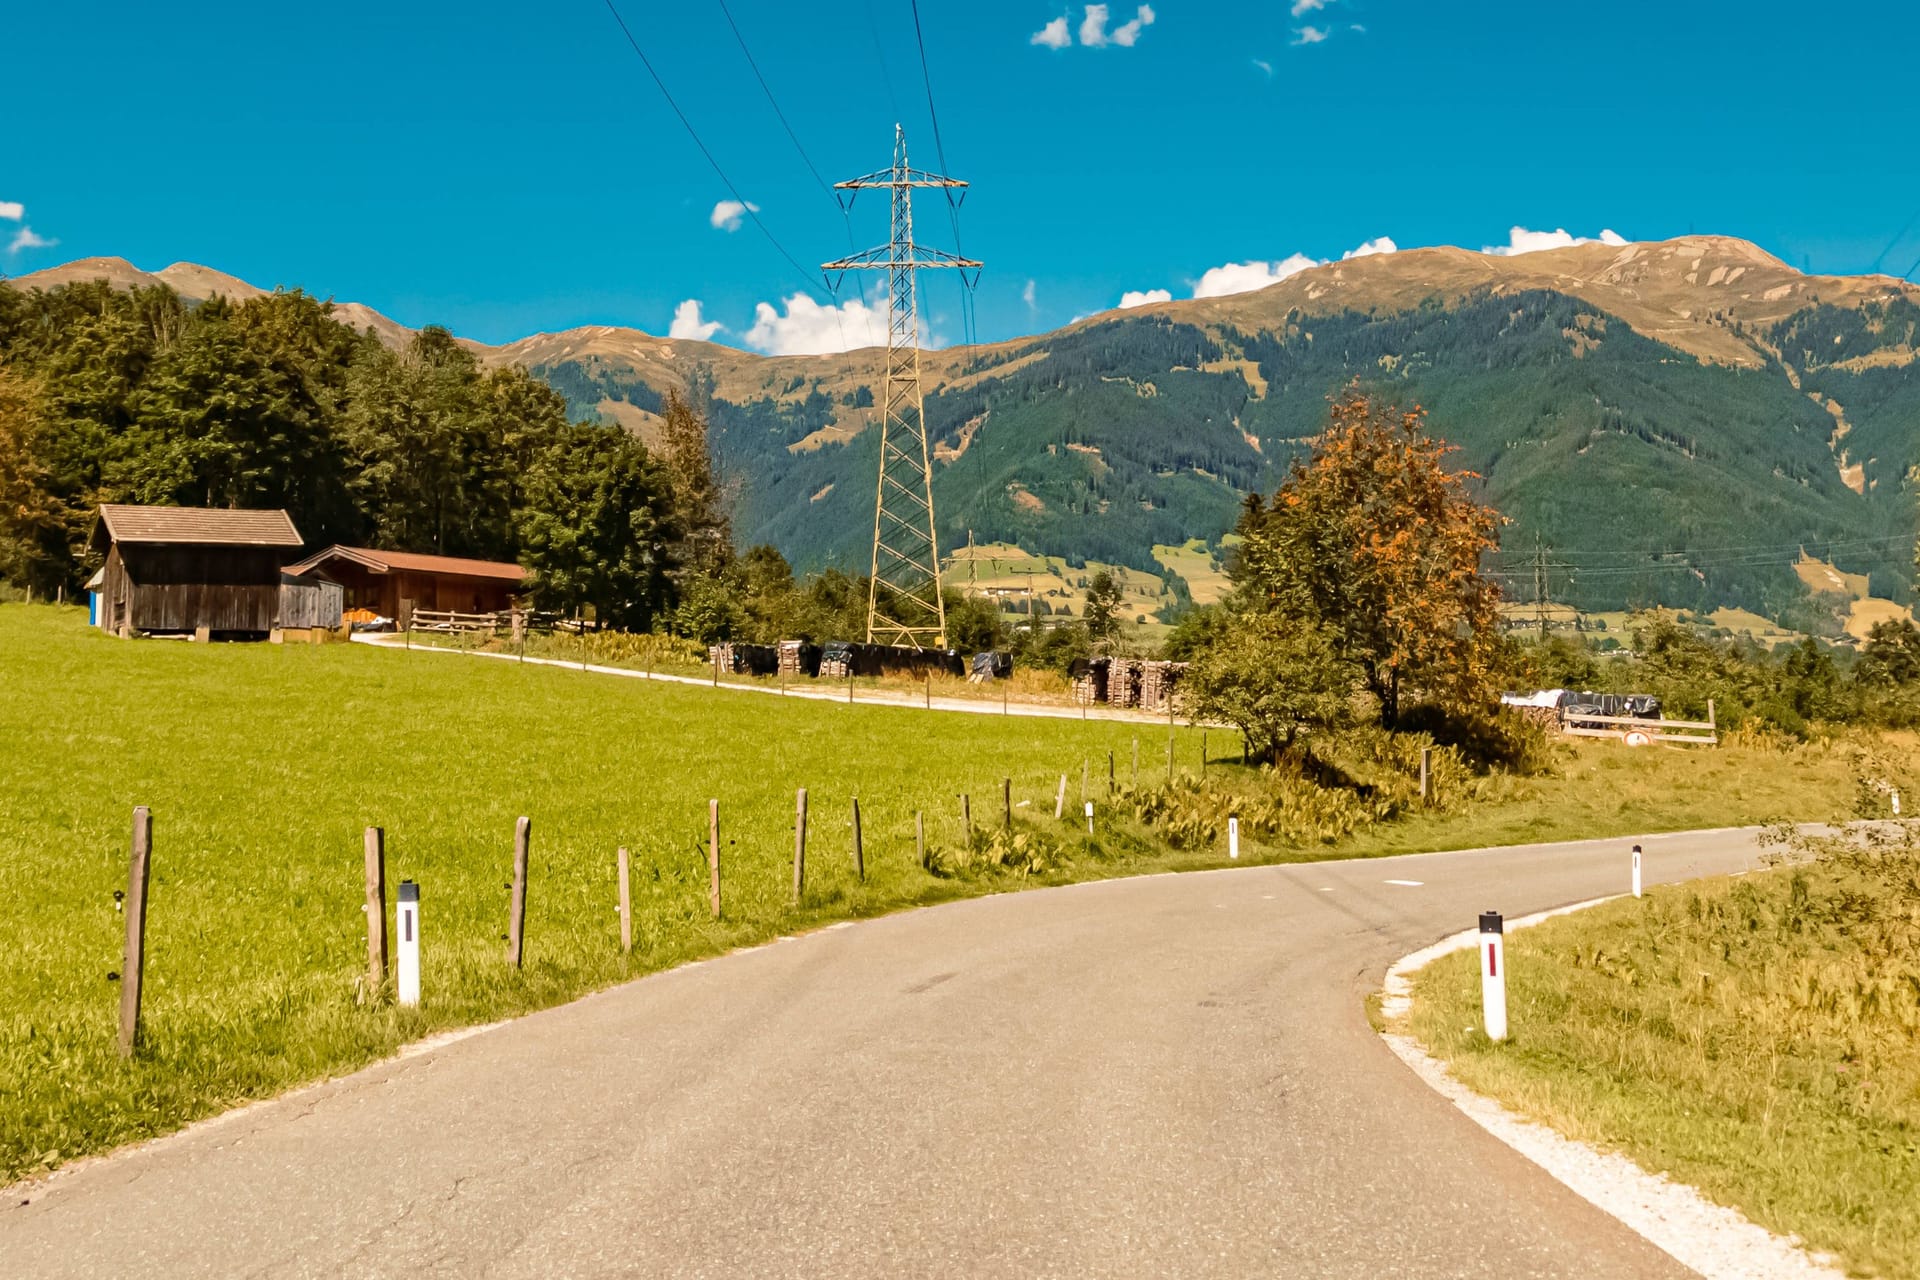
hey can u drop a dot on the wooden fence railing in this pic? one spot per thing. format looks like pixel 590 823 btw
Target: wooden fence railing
pixel 447 620
pixel 1701 733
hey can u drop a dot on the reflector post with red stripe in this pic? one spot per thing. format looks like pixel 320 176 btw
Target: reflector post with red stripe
pixel 407 970
pixel 1493 974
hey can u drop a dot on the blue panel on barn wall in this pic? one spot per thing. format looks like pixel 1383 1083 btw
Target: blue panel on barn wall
pixel 93 608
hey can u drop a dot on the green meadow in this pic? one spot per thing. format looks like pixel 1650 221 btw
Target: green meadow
pixel 263 764
pixel 1756 1037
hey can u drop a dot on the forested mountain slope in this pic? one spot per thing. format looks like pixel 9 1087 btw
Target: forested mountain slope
pixel 1677 419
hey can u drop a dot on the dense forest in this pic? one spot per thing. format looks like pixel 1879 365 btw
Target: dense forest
pixel 1665 481
pixel 111 396
pixel 1657 480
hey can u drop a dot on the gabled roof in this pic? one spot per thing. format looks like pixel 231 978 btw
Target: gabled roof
pixel 206 526
pixel 414 562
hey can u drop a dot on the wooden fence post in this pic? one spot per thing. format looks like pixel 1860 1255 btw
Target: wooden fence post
pixel 1006 803
pixel 1203 753
pixel 1136 761
pixel 517 908
pixel 134 966
pixel 966 816
pixel 713 855
pixel 1426 765
pixel 1109 775
pixel 626 902
pixel 929 692
pixel 1060 799
pixel 799 844
pixel 920 837
pixel 1083 779
pixel 859 853
pixel 376 908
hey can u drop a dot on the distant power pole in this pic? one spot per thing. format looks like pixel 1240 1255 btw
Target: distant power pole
pixel 1544 568
pixel 903 595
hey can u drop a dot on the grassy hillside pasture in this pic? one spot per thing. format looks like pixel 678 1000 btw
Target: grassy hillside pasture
pixel 262 765
pixel 1758 1038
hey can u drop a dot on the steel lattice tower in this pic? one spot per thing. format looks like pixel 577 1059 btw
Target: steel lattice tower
pixel 904 605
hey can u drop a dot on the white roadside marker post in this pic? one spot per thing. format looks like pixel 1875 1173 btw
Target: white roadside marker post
pixel 1089 817
pixel 1493 974
pixel 407 962
pixel 1896 804
pixel 1233 838
pixel 1636 871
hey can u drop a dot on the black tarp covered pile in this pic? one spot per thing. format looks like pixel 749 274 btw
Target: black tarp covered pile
pixel 1587 703
pixel 841 658
pixel 744 659
pixel 992 665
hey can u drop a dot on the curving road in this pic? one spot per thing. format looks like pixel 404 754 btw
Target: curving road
pixel 1169 1076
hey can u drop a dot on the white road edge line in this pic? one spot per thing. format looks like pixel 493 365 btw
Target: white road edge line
pixel 1718 1242
pixel 1410 884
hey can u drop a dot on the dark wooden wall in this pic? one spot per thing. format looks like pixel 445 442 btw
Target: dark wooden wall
pixel 159 588
pixel 383 592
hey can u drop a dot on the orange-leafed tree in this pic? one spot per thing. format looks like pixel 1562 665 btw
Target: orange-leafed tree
pixel 1375 544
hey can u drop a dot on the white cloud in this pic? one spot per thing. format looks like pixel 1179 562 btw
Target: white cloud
pixel 1245 277
pixel 1521 240
pixel 1054 35
pixel 1140 298
pixel 809 328
pixel 1265 67
pixel 727 214
pixel 1126 35
pixel 1094 33
pixel 1026 295
pixel 1383 244
pixel 12 210
pixel 26 239
pixel 688 324
pixel 1309 35
pixel 1301 8
pixel 1093 27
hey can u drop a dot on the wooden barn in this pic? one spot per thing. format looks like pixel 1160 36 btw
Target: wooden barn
pixel 395 583
pixel 191 570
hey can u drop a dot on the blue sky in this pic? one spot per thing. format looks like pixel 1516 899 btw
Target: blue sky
pixel 508 168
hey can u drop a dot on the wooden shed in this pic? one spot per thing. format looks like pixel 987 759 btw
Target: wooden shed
pixel 191 570
pixel 395 583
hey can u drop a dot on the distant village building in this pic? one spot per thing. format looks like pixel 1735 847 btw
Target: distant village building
pixel 198 571
pixel 393 584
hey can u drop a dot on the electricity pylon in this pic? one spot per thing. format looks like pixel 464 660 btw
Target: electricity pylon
pixel 903 594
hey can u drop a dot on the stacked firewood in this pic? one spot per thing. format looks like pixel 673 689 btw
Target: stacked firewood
pixel 1159 683
pixel 1090 681
pixel 1123 682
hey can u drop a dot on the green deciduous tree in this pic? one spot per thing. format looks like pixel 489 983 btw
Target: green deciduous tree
pixel 1271 675
pixel 1372 542
pixel 597 528
pixel 1105 624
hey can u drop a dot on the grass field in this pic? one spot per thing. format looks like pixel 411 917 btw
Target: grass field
pixel 1757 1038
pixel 262 765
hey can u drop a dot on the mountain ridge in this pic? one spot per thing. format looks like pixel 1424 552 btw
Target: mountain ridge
pixel 1625 402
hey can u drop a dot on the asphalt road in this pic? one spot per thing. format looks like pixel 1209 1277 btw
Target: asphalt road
pixel 1169 1076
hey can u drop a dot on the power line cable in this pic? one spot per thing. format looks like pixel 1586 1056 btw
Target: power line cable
pixel 825 186
pixel 779 115
pixel 725 181
pixel 1756 548
pixel 880 54
pixel 967 328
